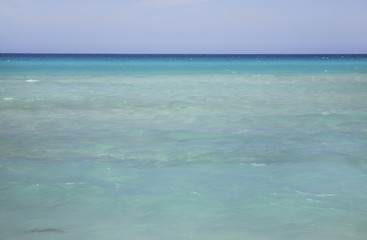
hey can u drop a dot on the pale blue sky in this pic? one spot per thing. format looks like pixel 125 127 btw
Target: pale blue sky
pixel 183 26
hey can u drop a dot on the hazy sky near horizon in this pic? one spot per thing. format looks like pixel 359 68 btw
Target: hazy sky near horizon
pixel 183 26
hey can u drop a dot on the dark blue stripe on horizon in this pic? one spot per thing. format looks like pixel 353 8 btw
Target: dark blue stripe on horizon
pixel 183 55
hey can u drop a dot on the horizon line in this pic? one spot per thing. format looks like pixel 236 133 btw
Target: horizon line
pixel 90 53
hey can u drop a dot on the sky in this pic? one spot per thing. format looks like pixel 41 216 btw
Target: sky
pixel 183 26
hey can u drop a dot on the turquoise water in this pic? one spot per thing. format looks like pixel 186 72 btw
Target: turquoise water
pixel 183 147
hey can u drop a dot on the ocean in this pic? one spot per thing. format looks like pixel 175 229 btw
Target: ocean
pixel 183 147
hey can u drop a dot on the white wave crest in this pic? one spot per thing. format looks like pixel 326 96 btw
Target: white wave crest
pixel 319 195
pixel 258 164
pixel 31 80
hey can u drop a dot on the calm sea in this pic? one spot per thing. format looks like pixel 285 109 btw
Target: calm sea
pixel 183 147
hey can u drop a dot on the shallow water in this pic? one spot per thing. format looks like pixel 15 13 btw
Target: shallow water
pixel 183 147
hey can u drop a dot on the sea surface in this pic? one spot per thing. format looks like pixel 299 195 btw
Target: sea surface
pixel 183 147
